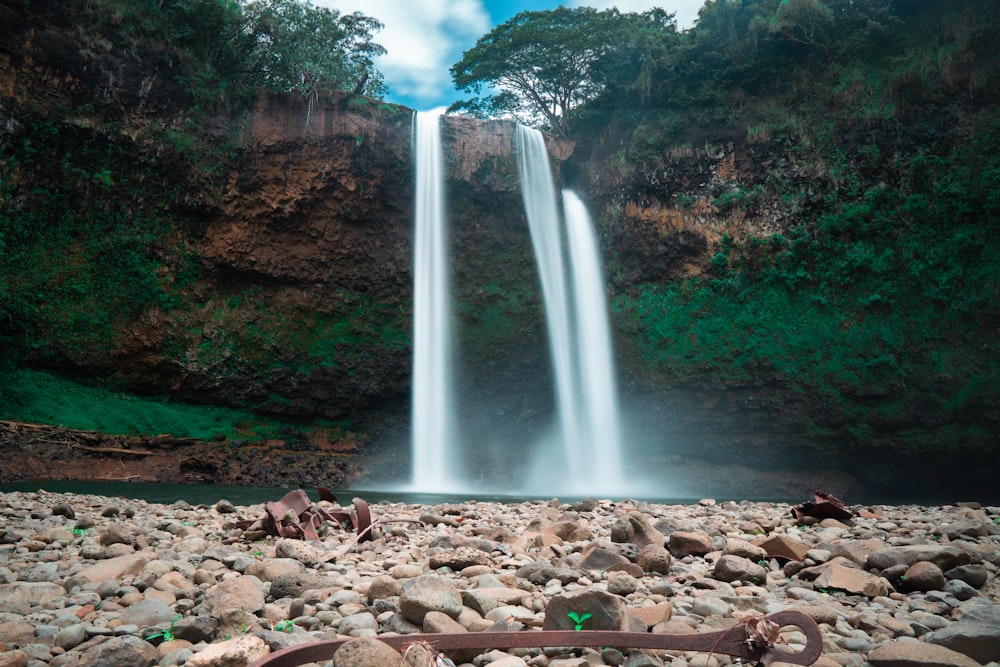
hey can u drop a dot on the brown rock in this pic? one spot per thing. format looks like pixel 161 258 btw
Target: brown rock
pixel 690 543
pixel 241 593
pixel 918 654
pixel 653 558
pixel 851 580
pixel 779 546
pixel 241 650
pixel 653 614
pixel 367 652
pixel 606 611
pixel 922 576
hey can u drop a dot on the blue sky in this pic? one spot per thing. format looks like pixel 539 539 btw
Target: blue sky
pixel 426 37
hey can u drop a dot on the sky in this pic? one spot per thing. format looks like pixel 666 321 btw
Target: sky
pixel 424 38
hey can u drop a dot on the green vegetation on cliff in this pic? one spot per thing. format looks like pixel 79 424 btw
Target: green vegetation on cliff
pixel 840 159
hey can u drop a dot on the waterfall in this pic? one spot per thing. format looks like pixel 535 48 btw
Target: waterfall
pixel 434 451
pixel 598 386
pixel 579 338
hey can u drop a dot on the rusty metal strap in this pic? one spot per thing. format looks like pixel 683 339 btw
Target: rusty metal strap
pixel 735 641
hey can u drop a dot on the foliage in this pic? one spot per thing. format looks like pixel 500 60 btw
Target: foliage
pixel 43 398
pixel 300 47
pixel 541 65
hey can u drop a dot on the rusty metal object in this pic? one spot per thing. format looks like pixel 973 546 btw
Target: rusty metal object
pixel 739 641
pixel 295 516
pixel 825 506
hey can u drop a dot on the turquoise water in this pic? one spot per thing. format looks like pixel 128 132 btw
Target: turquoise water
pixel 209 494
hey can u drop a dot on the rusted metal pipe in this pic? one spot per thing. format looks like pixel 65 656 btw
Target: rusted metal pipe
pixel 736 641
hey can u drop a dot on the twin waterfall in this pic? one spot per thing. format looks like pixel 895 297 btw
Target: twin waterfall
pixel 585 448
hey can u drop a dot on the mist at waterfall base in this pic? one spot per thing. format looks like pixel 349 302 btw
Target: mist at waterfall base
pixel 581 452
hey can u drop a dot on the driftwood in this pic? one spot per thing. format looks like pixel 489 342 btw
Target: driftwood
pixel 25 434
pixel 113 450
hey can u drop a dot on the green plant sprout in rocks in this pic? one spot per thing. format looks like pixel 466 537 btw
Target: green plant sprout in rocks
pixel 284 626
pixel 578 619
pixel 166 635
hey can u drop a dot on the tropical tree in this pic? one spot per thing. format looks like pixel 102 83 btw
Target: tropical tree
pixel 299 47
pixel 537 67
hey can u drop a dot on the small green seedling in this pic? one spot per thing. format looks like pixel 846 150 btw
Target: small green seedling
pixel 76 530
pixel 167 635
pixel 284 626
pixel 578 619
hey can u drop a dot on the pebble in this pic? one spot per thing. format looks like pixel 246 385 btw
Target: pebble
pixel 93 580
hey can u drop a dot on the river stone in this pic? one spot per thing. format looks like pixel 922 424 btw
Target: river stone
pixel 782 547
pixel 176 583
pixel 744 549
pixel 918 654
pixel 114 569
pixel 636 529
pixel 974 575
pixel 961 590
pixel 733 568
pixel 294 584
pixel 607 611
pixel 850 579
pixel 429 593
pixel 270 569
pixel 243 593
pixel 600 557
pixel 15 658
pixel 976 634
pixel 922 576
pixel 356 625
pixel 460 558
pixel 236 652
pixel 17 633
pixel 367 652
pixel 117 533
pixel 298 550
pixel 195 628
pixel 70 636
pixel 690 543
pixel 124 651
pixel 943 556
pixel 654 559
pixel 20 596
pixel 384 586
pixel 541 572
pixel 569 531
pixel 147 612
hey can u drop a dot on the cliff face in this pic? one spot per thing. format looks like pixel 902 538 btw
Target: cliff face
pixel 259 255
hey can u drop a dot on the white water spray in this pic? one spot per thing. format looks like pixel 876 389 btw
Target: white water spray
pixel 434 451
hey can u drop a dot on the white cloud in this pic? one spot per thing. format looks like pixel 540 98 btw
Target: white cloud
pixel 685 11
pixel 423 38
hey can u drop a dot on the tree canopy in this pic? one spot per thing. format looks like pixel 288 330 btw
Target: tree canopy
pixel 301 47
pixel 539 65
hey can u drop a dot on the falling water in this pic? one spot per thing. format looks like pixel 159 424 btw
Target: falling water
pixel 598 387
pixel 576 315
pixel 432 422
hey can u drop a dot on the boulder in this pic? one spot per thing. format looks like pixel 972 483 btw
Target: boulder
pixel 917 654
pixel 429 593
pixel 945 557
pixel 367 652
pixel 922 576
pixel 690 543
pixel 243 593
pixel 591 608
pixel 240 650
pixel 976 634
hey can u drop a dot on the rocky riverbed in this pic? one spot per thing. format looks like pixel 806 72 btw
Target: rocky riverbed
pixel 87 581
